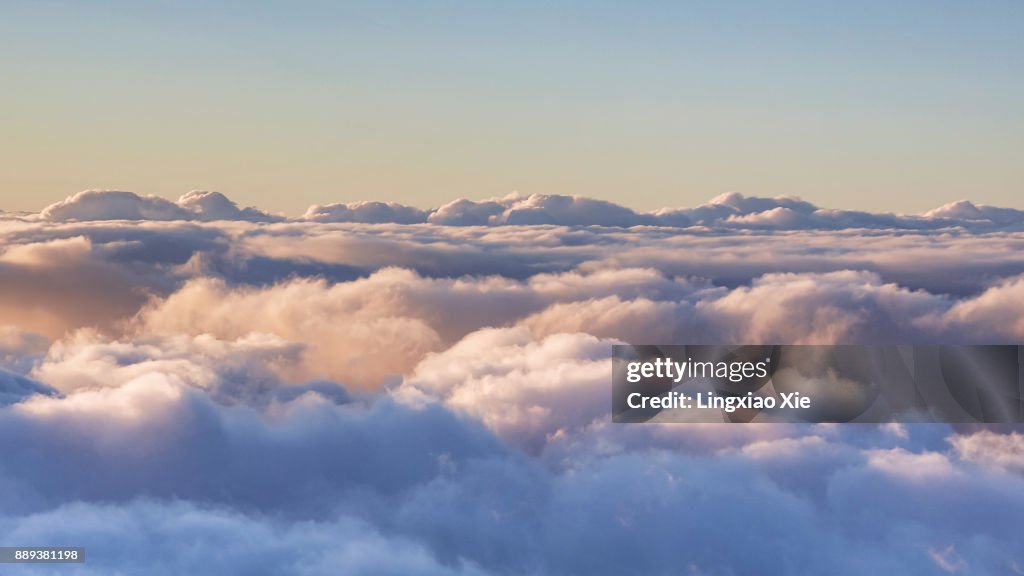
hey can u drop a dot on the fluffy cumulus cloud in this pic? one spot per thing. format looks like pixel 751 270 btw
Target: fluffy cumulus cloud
pixel 523 389
pixel 728 211
pixel 369 212
pixel 378 388
pixel 117 205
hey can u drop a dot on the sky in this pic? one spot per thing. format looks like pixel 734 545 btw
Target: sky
pixel 191 383
pixel 861 105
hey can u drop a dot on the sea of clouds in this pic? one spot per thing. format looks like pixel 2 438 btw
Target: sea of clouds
pixel 192 387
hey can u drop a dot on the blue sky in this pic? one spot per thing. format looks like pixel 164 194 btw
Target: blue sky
pixel 873 105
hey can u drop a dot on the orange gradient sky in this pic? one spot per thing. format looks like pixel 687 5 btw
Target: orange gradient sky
pixel 281 105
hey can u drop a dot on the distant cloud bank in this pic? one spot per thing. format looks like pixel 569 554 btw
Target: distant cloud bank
pixel 728 211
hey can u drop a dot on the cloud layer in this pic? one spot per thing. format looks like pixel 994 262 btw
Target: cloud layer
pixel 378 388
pixel 729 211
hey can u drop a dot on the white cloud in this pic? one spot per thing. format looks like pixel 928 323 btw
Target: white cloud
pixel 947 559
pixel 728 211
pixel 366 212
pixel 113 205
pixel 996 314
pixel 358 333
pixel 784 448
pixel 523 389
pixel 208 205
pixel 992 450
pixel 149 537
pixel 911 466
pixel 347 392
pixel 249 364
pixel 117 205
